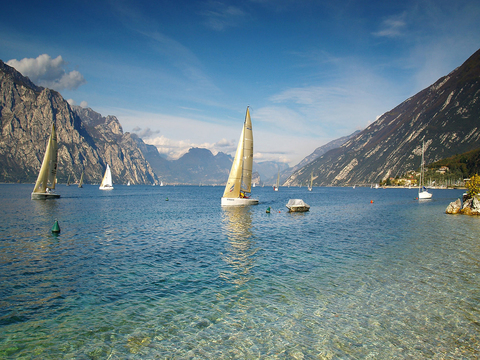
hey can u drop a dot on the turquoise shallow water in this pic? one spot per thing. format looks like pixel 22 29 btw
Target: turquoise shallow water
pixel 133 276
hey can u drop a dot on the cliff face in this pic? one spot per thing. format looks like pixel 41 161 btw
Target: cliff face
pixel 87 141
pixel 445 115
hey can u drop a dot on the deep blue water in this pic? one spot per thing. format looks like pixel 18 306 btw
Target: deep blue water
pixel 133 276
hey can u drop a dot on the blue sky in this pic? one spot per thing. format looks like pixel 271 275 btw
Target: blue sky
pixel 181 73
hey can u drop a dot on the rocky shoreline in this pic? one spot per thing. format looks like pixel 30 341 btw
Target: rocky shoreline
pixel 471 206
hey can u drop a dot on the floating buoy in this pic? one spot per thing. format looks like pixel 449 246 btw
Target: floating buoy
pixel 268 210
pixel 56 227
pixel 371 201
pixel 166 199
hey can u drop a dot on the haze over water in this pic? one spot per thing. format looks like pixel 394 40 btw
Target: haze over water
pixel 133 276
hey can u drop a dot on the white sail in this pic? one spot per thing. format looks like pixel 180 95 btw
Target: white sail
pixel 107 180
pixel 47 177
pixel 239 182
pixel 311 182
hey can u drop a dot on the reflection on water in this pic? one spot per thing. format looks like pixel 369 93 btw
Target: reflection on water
pixel 240 249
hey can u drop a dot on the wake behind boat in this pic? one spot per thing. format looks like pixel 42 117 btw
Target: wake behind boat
pixel 47 177
pixel 239 183
pixel 107 180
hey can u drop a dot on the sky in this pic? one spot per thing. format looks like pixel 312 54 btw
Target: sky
pixel 181 74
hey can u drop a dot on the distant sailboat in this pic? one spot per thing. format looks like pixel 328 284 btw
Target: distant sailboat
pixel 161 183
pixel 107 180
pixel 275 187
pixel 80 184
pixel 128 183
pixel 239 182
pixel 311 182
pixel 422 191
pixel 47 177
pixel 68 181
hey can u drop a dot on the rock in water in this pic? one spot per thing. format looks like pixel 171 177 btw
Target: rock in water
pixel 454 207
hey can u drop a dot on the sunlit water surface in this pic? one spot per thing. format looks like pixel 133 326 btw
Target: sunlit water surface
pixel 134 276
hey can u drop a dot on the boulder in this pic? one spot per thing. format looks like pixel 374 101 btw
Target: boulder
pixel 454 207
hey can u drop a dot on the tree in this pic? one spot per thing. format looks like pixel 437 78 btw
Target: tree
pixel 473 185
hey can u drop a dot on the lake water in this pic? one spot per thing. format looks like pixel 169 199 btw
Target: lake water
pixel 133 276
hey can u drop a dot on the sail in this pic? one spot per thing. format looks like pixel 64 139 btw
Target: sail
pixel 247 154
pixel 232 189
pixel 48 171
pixel 80 184
pixel 107 178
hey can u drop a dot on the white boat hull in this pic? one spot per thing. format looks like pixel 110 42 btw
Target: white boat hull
pixel 238 201
pixel 44 196
pixel 106 187
pixel 424 195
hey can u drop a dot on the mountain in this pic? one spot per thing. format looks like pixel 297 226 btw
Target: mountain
pixel 465 165
pixel 316 153
pixel 86 140
pixel 445 116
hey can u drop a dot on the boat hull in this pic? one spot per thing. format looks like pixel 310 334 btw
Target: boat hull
pixel 44 196
pixel 298 208
pixel 424 195
pixel 238 201
pixel 106 187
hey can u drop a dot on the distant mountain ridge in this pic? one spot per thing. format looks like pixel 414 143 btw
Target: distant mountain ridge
pixel 445 116
pixel 87 141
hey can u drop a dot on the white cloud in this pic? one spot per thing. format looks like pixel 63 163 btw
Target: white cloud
pixel 48 72
pixel 220 16
pixel 392 27
pixel 174 149
pixel 83 104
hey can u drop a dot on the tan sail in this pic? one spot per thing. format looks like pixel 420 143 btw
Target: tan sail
pixel 80 184
pixel 47 177
pixel 232 189
pixel 240 179
pixel 247 154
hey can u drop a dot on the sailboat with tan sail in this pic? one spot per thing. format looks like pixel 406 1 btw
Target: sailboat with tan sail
pixel 239 183
pixel 47 177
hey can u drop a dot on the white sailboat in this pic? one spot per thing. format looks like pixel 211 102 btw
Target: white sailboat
pixel 275 187
pixel 239 182
pixel 107 180
pixel 310 187
pixel 47 177
pixel 422 191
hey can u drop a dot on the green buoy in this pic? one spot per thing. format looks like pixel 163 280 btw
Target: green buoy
pixel 268 210
pixel 56 227
pixel 166 199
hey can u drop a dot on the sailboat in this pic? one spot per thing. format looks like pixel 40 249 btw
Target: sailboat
pixel 239 182
pixel 311 182
pixel 275 187
pixel 80 184
pixel 68 181
pixel 422 191
pixel 47 177
pixel 107 180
